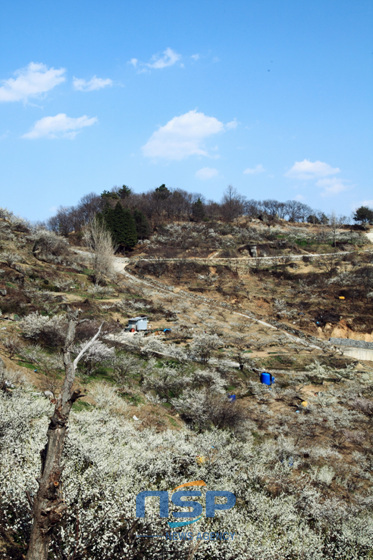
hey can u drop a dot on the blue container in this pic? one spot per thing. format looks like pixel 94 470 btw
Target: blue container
pixel 232 397
pixel 267 378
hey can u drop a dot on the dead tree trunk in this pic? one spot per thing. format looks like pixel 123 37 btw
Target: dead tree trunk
pixel 49 505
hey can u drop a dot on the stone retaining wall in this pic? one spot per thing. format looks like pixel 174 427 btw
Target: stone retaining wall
pixel 351 343
pixel 245 262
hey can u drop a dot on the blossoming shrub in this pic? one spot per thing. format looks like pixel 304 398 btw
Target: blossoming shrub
pixel 98 355
pixel 108 461
pixel 49 246
pixel 49 330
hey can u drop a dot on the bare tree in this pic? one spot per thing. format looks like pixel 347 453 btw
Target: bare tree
pixel 296 211
pixel 98 239
pixel 272 208
pixel 232 205
pixel 48 506
pixel 63 222
pixel 73 218
pixel 335 223
pixel 253 208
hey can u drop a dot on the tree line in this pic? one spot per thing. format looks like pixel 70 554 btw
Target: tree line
pixel 132 216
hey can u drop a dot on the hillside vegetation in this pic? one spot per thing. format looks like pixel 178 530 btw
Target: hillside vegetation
pixel 235 298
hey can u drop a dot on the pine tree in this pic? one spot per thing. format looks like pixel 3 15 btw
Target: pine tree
pixel 121 225
pixel 129 229
pixel 364 215
pixel 123 228
pixel 109 194
pixel 124 191
pixel 106 217
pixel 198 210
pixel 142 224
pixel 162 192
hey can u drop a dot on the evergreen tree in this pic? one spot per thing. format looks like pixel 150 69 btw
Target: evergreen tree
pixel 109 194
pixel 124 227
pixel 142 224
pixel 124 191
pixel 198 210
pixel 106 217
pixel 364 215
pixel 162 192
pixel 121 225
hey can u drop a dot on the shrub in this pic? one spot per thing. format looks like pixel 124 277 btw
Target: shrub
pixel 107 461
pixel 203 345
pixel 99 354
pixel 49 246
pixel 205 409
pixel 47 330
pixel 12 345
pixel 11 259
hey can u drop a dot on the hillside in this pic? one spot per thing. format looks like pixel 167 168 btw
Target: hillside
pixel 237 299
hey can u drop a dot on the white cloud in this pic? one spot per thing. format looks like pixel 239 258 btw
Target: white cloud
pixel 206 173
pixel 91 85
pixel 331 186
pixel 299 197
pixel 158 61
pixel 307 170
pixel 182 137
pixel 60 126
pixel 254 170
pixel 195 56
pixel 322 175
pixel 231 125
pixel 167 58
pixel 31 81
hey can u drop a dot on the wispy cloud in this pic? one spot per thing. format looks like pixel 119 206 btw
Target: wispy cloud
pixel 158 61
pixel 307 170
pixel 182 137
pixel 60 126
pixel 207 173
pixel 93 84
pixel 254 170
pixel 167 58
pixel 231 125
pixel 32 81
pixel 332 186
pixel 322 174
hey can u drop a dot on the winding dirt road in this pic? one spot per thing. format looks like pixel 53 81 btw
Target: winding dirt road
pixel 120 264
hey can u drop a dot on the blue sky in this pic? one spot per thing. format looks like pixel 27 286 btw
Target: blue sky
pixel 271 96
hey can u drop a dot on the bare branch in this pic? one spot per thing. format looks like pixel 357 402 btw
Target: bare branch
pixel 86 347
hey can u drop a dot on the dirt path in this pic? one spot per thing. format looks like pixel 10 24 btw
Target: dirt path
pixel 120 264
pixel 120 267
pixel 249 260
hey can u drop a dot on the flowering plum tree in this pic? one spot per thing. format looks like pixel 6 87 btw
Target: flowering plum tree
pixel 49 505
